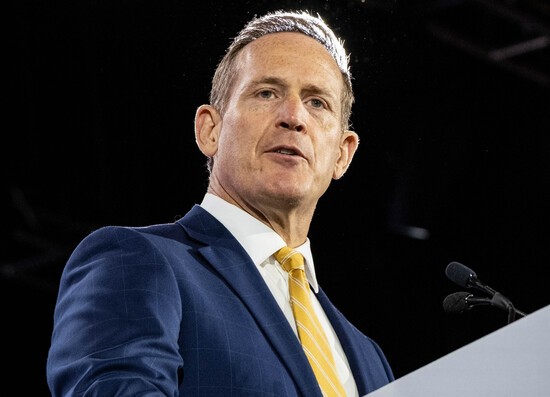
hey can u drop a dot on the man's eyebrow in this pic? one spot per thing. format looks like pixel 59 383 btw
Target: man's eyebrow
pixel 315 89
pixel 310 88
pixel 269 80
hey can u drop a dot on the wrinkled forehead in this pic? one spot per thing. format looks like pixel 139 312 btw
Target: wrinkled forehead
pixel 295 43
pixel 289 53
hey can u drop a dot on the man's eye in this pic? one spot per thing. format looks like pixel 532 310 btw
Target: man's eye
pixel 266 94
pixel 317 103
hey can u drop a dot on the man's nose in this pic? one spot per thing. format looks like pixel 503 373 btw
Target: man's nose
pixel 292 114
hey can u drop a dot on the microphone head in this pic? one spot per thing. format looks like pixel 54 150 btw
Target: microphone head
pixel 456 303
pixel 460 274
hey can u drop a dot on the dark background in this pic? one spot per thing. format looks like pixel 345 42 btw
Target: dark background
pixel 452 106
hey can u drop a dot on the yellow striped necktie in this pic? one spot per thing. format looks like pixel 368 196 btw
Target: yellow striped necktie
pixel 310 332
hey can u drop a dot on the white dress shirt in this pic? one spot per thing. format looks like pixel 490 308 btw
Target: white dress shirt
pixel 261 242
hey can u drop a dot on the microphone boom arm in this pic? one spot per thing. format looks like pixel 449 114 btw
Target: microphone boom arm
pixel 466 277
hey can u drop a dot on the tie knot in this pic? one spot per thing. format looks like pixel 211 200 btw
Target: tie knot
pixel 290 259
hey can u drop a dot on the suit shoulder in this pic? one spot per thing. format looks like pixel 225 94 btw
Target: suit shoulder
pixel 117 231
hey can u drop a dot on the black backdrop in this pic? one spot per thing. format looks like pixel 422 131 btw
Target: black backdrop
pixel 453 165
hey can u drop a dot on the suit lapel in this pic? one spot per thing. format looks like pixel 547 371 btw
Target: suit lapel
pixel 344 332
pixel 233 264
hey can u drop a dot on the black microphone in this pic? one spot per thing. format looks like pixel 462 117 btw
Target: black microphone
pixel 467 278
pixel 460 302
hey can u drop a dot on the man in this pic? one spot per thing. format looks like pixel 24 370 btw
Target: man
pixel 202 306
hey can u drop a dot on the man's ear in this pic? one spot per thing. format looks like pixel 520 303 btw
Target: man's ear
pixel 348 146
pixel 207 129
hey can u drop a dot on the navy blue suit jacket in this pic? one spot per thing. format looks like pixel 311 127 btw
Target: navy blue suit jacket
pixel 180 309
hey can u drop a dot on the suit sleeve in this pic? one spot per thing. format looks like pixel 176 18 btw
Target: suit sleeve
pixel 116 321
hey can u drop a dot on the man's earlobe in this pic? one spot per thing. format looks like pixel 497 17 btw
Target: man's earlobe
pixel 207 129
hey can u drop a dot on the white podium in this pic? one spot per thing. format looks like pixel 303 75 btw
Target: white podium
pixel 513 361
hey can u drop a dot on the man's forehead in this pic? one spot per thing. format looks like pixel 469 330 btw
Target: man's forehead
pixel 286 39
pixel 288 50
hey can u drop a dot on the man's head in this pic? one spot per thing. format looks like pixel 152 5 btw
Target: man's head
pixel 276 22
pixel 275 129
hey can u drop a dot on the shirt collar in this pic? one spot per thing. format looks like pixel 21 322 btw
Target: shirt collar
pixel 257 239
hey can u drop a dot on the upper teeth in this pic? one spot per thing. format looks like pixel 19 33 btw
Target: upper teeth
pixel 285 151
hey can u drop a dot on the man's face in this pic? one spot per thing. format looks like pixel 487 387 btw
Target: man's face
pixel 280 140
